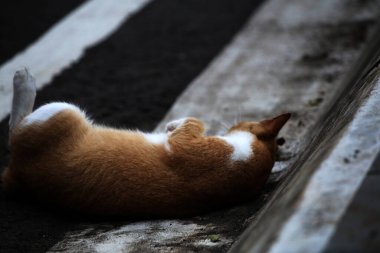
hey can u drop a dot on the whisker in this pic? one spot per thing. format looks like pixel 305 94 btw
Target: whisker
pixel 236 119
pixel 239 113
pixel 225 125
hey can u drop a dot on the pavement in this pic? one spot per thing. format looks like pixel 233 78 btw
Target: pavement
pixel 214 59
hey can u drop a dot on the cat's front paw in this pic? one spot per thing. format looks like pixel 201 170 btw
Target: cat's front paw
pixel 173 125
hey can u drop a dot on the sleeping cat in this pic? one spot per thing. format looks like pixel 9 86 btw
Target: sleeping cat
pixel 60 157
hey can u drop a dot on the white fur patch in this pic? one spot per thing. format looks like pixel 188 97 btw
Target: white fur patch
pixel 241 142
pixel 47 111
pixel 157 139
pixel 173 125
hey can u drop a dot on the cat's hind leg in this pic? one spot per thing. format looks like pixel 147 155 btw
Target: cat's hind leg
pixel 24 94
pixel 173 125
pixel 186 128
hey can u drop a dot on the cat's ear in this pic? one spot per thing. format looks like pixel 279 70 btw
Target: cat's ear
pixel 273 126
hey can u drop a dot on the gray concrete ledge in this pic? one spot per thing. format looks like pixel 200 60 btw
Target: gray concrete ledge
pixel 305 210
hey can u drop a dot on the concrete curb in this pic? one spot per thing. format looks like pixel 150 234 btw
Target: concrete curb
pixel 310 203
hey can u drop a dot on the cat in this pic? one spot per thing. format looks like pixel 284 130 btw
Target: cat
pixel 61 157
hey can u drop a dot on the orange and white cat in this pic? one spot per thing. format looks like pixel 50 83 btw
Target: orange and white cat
pixel 62 158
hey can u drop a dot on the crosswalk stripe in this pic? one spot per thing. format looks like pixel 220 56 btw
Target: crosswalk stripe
pixel 65 43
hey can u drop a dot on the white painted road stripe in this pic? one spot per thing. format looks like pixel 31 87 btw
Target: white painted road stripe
pixel 65 43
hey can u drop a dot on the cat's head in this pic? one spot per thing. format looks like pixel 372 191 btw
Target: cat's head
pixel 265 130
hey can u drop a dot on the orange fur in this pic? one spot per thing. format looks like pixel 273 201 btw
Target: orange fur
pixel 96 170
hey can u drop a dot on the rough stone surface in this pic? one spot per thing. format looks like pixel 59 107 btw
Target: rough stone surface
pixel 357 232
pixel 336 179
pixel 304 211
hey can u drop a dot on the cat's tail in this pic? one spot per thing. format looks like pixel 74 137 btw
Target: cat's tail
pixel 24 95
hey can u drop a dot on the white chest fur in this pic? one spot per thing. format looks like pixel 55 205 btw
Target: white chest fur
pixel 241 142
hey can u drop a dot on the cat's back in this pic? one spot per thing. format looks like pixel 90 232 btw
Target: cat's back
pixel 123 151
